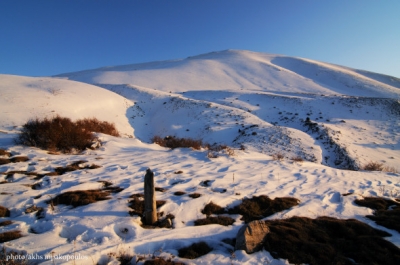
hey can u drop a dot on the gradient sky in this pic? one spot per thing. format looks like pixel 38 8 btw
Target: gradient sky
pixel 48 37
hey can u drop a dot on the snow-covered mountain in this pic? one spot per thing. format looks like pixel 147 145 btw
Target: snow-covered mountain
pixel 334 117
pixel 228 95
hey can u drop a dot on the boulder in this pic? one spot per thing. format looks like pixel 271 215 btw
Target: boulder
pixel 251 236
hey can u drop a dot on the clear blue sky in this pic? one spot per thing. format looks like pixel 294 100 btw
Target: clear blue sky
pixel 41 38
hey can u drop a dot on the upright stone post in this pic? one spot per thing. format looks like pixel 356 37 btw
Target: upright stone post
pixel 150 211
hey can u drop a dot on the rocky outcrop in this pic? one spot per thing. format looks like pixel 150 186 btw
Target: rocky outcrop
pixel 251 236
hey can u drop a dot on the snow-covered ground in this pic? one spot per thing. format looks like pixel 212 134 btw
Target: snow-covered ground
pixel 334 117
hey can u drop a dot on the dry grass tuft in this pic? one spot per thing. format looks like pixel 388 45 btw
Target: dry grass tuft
pixel 220 220
pixel 387 212
pixel 327 240
pixel 373 166
pixel 5 223
pixel 262 206
pixel 162 261
pixel 80 197
pixel 4 152
pixel 10 235
pixel 212 208
pixel 4 212
pixel 194 251
pixel 297 159
pixel 278 157
pixel 194 195
pixel 176 142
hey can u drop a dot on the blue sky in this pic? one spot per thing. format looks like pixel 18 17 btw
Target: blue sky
pixel 48 37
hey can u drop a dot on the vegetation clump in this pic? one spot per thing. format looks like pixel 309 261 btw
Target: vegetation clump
pixel 327 240
pixel 387 212
pixel 220 220
pixel 10 235
pixel 80 197
pixel 212 208
pixel 62 134
pixel 176 142
pixel 195 250
pixel 262 206
pixel 4 212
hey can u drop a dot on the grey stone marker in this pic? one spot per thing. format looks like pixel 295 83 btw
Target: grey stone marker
pixel 150 210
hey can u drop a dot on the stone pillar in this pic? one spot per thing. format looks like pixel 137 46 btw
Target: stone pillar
pixel 150 210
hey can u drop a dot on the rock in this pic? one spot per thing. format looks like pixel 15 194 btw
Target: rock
pixel 251 236
pixel 166 223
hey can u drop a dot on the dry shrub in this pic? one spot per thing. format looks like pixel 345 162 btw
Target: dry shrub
pixel 278 157
pixel 327 240
pixel 179 193
pixel 194 195
pixel 220 220
pixel 61 134
pixel 176 142
pixel 373 166
pixel 10 235
pixel 4 161
pixel 18 260
pixel 297 159
pixel 212 208
pixel 262 206
pixel 4 212
pixel 4 152
pixel 17 159
pixel 387 212
pixel 162 261
pixel 390 169
pixel 80 197
pixel 215 148
pixel 94 125
pixel 74 166
pixel 5 223
pixel 194 251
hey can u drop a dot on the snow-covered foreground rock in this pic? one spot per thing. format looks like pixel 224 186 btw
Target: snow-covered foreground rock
pixel 334 118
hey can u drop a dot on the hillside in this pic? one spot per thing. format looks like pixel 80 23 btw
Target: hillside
pixel 334 118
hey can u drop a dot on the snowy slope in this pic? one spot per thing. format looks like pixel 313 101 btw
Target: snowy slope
pixel 260 101
pixel 245 70
pixel 24 98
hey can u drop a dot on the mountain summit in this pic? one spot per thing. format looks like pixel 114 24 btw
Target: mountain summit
pixel 232 70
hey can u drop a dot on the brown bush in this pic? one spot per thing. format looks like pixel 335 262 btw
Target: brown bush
pixel 80 197
pixel 278 156
pixel 327 240
pixel 161 261
pixel 4 161
pixel 94 125
pixel 10 235
pixel 220 220
pixel 61 134
pixel 4 212
pixel 5 223
pixel 17 159
pixel 373 166
pixel 179 193
pixel 212 208
pixel 194 195
pixel 4 152
pixel 175 142
pixel 262 206
pixel 297 159
pixel 194 251
pixel 387 212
